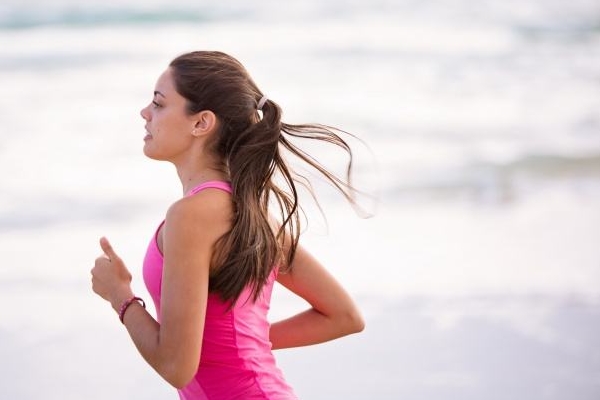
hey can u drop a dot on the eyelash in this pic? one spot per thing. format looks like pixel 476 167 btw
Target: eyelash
pixel 155 104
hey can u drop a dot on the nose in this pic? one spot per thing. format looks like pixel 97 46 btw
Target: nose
pixel 144 113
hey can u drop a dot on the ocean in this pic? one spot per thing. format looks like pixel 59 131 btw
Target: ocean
pixel 478 273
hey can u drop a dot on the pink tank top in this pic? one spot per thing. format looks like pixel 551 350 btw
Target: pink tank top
pixel 236 361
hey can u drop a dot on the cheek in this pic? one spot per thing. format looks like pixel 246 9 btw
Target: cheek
pixel 170 127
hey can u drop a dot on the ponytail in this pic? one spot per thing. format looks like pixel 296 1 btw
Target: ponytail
pixel 248 253
pixel 250 148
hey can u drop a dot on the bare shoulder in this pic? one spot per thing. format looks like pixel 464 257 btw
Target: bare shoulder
pixel 208 210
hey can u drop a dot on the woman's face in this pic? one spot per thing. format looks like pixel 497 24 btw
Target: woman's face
pixel 168 126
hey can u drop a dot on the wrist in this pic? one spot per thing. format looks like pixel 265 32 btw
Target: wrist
pixel 120 298
pixel 125 306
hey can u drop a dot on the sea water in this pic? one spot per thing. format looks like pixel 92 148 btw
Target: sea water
pixel 479 273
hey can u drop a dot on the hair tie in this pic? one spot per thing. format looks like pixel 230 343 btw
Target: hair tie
pixel 261 103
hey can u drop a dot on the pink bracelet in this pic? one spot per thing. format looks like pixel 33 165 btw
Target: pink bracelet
pixel 126 305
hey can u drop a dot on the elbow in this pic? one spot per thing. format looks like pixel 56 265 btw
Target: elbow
pixel 178 376
pixel 179 382
pixel 352 322
pixel 356 323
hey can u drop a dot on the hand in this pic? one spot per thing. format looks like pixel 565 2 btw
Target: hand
pixel 110 278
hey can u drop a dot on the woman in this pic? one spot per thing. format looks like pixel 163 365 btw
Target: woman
pixel 212 263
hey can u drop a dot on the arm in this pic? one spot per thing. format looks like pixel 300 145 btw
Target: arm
pixel 333 314
pixel 173 347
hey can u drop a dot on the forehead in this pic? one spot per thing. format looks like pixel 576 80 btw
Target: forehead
pixel 165 83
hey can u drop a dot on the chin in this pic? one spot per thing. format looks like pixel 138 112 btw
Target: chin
pixel 148 153
pixel 153 155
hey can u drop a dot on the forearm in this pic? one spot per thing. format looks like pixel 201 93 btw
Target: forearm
pixel 144 331
pixel 312 327
pixel 172 347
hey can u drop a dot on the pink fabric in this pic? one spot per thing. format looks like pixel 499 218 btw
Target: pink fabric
pixel 236 361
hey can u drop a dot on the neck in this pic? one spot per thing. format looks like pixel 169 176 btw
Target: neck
pixel 192 174
pixel 196 166
pixel 188 182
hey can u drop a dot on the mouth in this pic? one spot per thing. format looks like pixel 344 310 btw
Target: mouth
pixel 148 135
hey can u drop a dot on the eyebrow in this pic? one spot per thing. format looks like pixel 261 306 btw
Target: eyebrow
pixel 157 92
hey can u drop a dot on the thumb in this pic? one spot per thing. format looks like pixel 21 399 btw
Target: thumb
pixel 107 249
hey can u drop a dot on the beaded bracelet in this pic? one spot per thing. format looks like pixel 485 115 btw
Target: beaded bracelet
pixel 126 305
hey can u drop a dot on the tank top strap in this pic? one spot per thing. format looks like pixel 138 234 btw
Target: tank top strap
pixel 222 185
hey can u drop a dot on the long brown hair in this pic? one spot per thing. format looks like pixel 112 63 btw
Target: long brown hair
pixel 250 148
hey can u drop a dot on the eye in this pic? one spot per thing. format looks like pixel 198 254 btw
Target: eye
pixel 155 104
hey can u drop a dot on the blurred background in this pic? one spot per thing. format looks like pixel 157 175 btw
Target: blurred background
pixel 479 275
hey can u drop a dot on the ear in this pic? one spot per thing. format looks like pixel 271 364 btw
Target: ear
pixel 205 122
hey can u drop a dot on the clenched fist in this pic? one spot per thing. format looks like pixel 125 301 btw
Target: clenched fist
pixel 111 280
